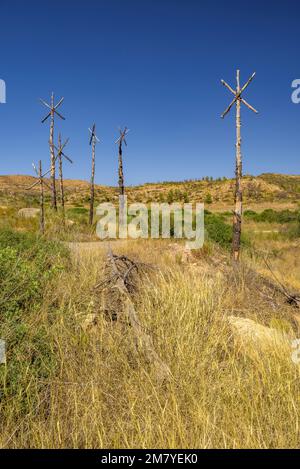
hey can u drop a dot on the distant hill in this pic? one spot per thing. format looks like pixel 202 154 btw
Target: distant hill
pixel 268 189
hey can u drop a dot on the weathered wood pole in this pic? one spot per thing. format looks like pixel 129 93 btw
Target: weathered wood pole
pixel 122 198
pixel 120 170
pixel 92 197
pixel 61 180
pixel 52 110
pixel 52 156
pixel 238 197
pixel 42 209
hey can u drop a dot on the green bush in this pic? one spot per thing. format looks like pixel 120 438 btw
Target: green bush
pixel 208 199
pixel 217 230
pixel 27 263
pixel 77 211
pixel 294 230
pixel 220 232
pixel 272 216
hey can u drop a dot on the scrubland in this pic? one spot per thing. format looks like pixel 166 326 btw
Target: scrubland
pixel 77 378
pixel 76 375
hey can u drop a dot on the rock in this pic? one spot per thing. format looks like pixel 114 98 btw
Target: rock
pixel 28 212
pixel 255 339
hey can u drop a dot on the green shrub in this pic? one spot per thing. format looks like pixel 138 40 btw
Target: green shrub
pixel 208 198
pixel 294 230
pixel 217 230
pixel 77 211
pixel 271 216
pixel 27 264
pixel 220 232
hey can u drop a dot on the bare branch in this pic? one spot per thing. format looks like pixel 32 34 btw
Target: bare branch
pixel 34 167
pixel 238 88
pixel 69 159
pixel 228 109
pixel 59 115
pixel 248 82
pixel 33 185
pixel 45 118
pixel 59 103
pixel 45 104
pixel 228 87
pixel 249 105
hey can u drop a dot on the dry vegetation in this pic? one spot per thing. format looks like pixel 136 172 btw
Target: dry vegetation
pixel 260 192
pixel 97 389
pixel 76 377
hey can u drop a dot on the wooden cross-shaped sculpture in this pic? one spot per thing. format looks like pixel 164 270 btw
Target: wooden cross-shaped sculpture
pixel 42 183
pixel 93 141
pixel 120 141
pixel 53 110
pixel 122 214
pixel 237 216
pixel 59 156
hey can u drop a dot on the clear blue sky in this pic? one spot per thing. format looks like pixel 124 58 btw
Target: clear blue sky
pixel 155 66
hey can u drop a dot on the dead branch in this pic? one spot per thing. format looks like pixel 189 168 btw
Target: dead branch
pixel 292 298
pixel 121 279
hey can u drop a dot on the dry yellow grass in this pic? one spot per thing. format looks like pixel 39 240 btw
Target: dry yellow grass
pixel 105 394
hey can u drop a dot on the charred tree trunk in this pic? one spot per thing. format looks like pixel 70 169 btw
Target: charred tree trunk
pixel 122 216
pixel 121 174
pixel 92 184
pixel 61 181
pixel 52 156
pixel 237 217
pixel 62 193
pixel 42 211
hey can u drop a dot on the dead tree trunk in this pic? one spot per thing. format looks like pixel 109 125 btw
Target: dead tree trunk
pixel 41 182
pixel 93 140
pixel 92 183
pixel 52 157
pixel 42 209
pixel 238 198
pixel 122 214
pixel 52 110
pixel 121 174
pixel 61 180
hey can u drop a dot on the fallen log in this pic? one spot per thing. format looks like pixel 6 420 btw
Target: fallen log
pixel 122 283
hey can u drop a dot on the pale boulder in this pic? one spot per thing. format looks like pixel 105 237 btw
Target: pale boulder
pixel 28 212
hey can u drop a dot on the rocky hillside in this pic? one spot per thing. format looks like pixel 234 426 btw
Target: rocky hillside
pixel 271 189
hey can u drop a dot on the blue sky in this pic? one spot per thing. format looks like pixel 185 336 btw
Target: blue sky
pixel 155 66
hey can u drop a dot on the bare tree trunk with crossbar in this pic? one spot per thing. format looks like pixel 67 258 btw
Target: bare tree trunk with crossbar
pixel 121 174
pixel 92 184
pixel 237 217
pixel 52 110
pixel 238 196
pixel 61 180
pixel 42 210
pixel 52 156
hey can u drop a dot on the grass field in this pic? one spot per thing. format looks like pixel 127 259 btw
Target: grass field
pixel 75 378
